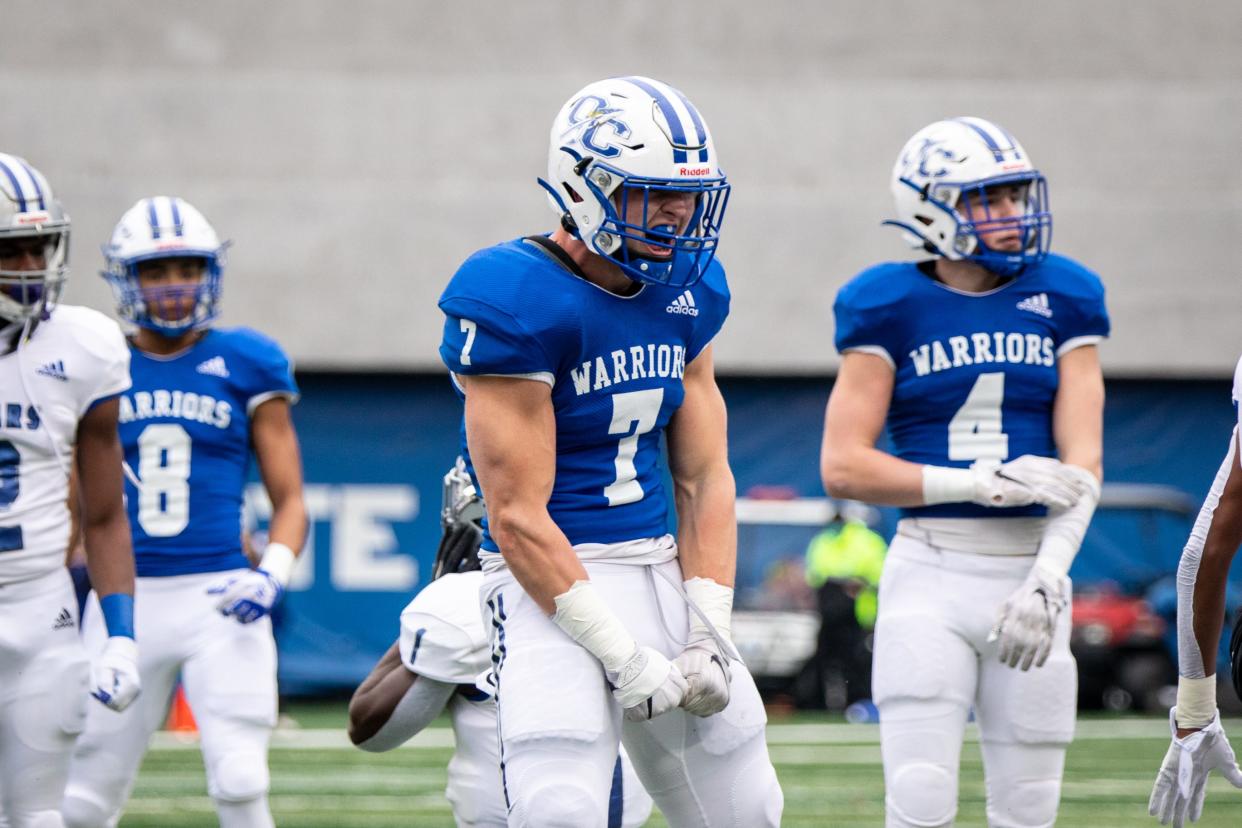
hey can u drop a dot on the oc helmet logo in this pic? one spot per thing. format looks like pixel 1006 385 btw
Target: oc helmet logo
pixel 589 115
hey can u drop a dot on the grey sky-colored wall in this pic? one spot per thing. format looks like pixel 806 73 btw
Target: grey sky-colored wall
pixel 357 152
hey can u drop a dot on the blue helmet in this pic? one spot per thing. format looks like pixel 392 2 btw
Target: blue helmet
pixel 164 227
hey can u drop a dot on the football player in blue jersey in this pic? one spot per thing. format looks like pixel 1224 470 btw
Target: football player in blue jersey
pixel 982 361
pixel 62 369
pixel 575 352
pixel 202 400
pixel 1199 744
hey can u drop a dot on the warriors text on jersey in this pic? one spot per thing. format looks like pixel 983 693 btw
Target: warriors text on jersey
pixel 74 360
pixel 976 373
pixel 615 365
pixel 185 427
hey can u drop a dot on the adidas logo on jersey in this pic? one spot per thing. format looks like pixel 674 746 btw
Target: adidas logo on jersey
pixel 1036 304
pixel 55 370
pixel 683 304
pixel 214 366
pixel 63 620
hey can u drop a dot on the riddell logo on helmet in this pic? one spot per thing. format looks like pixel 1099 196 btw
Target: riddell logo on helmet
pixel 170 245
pixel 694 171
pixel 34 217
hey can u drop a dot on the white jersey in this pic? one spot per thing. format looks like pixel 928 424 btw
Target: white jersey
pixel 73 360
pixel 443 638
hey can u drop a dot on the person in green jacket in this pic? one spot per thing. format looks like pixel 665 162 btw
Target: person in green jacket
pixel 843 565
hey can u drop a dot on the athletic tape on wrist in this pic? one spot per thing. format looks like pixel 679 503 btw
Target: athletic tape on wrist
pixel 716 602
pixel 1065 530
pixel 1196 701
pixel 118 613
pixel 945 485
pixel 585 618
pixel 278 561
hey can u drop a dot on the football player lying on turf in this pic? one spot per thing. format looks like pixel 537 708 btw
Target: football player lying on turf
pixel 441 650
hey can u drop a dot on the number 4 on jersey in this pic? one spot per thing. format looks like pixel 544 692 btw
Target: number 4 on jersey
pixel 975 430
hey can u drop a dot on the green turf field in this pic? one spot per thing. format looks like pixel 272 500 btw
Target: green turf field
pixel 830 773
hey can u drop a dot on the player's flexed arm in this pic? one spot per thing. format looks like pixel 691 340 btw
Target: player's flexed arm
pixel 853 468
pixel 511 431
pixel 109 555
pixel 706 533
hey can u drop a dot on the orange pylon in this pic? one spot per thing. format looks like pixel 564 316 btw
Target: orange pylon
pixel 180 717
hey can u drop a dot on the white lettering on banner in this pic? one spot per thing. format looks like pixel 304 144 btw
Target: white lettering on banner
pixel 363 553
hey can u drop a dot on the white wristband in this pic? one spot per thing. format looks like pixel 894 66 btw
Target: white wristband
pixel 1196 701
pixel 278 561
pixel 942 484
pixel 1065 530
pixel 716 602
pixel 585 618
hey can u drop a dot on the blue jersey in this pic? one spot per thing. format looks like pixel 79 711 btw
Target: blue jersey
pixel 185 429
pixel 976 373
pixel 615 365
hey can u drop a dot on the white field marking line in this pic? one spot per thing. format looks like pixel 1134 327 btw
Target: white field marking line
pixel 298 804
pixel 778 734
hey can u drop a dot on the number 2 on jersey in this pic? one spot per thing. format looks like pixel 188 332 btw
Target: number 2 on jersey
pixel 10 488
pixel 638 410
pixel 975 430
pixel 164 468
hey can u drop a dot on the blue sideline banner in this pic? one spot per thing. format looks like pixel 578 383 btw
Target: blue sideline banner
pixel 376 446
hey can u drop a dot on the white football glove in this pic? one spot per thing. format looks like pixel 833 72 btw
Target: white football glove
pixel 114 674
pixel 648 685
pixel 248 596
pixel 1026 480
pixel 1027 620
pixel 1181 785
pixel 707 674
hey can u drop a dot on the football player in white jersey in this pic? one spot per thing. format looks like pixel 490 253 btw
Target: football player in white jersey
pixel 1199 742
pixel 441 651
pixel 982 363
pixel 204 399
pixel 61 371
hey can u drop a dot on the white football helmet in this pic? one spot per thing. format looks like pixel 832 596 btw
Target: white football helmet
pixel 950 158
pixel 164 227
pixel 614 144
pixel 29 210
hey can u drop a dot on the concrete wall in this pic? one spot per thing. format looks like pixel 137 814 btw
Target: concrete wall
pixel 357 152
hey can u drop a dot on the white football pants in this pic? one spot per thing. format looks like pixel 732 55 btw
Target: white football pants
pixel 933 663
pixel 229 674
pixel 44 675
pixel 559 724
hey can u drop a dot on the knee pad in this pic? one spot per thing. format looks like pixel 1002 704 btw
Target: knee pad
pixel 80 810
pixel 556 803
pixel 44 819
pixel 921 795
pixel 1028 803
pixel 239 777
